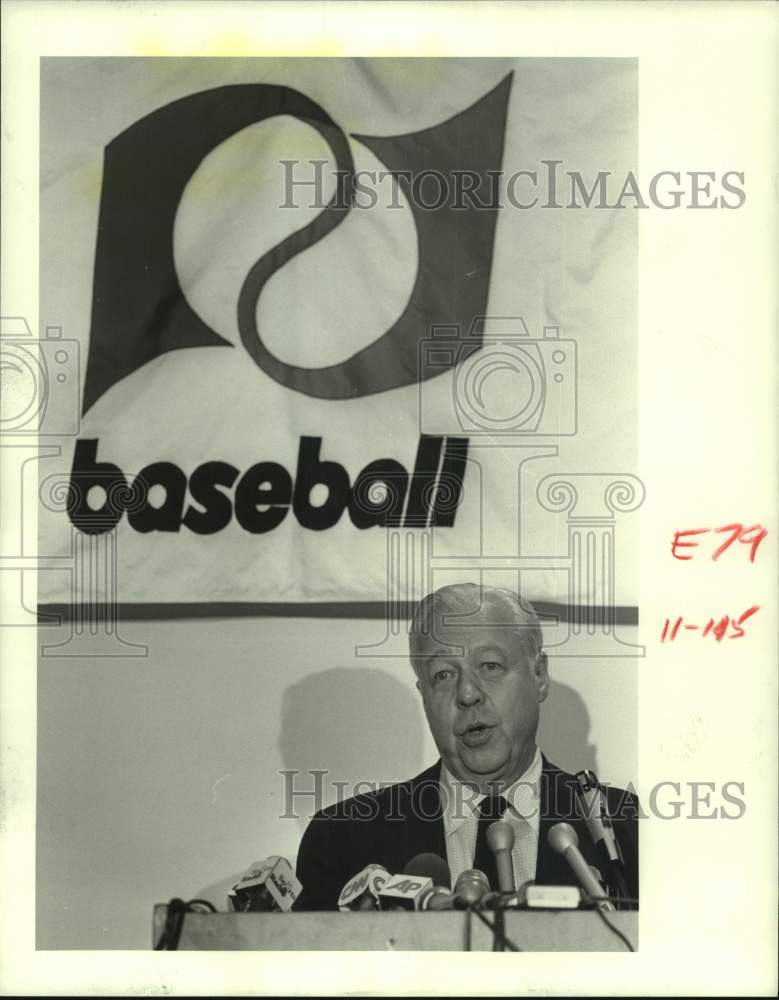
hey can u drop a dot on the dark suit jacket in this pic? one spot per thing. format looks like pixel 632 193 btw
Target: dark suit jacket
pixel 393 825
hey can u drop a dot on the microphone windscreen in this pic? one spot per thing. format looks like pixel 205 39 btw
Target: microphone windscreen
pixel 471 886
pixel 500 836
pixel 561 837
pixel 430 866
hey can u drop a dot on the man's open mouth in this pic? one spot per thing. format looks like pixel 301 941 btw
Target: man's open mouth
pixel 477 735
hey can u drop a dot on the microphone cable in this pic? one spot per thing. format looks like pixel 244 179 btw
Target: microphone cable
pixel 174 921
pixel 615 930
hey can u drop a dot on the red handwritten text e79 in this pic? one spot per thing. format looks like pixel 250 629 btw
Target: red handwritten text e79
pixel 683 542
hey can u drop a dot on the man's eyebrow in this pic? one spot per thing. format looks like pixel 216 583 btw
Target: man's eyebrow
pixel 444 652
pixel 437 654
pixel 489 647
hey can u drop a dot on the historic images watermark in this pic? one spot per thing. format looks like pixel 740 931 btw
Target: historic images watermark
pixel 537 410
pixel 549 185
pixel 303 794
pixel 41 408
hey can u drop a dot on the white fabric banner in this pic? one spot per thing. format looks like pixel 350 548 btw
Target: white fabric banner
pixel 335 330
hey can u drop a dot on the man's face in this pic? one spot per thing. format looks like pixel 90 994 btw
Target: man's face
pixel 481 688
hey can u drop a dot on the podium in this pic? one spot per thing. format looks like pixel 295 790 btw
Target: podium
pixel 530 930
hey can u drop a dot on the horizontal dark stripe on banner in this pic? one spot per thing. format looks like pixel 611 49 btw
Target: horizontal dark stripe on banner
pixel 576 615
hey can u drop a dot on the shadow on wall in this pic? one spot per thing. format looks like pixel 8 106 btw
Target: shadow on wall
pixel 360 726
pixel 564 730
pixel 356 724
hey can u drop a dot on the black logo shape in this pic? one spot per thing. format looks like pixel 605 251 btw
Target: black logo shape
pixel 139 310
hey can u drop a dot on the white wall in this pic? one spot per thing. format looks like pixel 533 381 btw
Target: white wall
pixel 160 776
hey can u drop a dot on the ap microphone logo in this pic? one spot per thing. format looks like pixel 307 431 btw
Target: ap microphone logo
pixel 139 310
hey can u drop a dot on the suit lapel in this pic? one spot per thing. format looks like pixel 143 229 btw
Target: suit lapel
pixel 551 868
pixel 424 831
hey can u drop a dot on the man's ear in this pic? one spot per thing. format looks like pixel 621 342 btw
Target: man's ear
pixel 541 675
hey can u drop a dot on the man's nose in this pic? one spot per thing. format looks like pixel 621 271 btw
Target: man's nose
pixel 469 691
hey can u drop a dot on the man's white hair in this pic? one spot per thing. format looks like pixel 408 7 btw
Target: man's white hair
pixel 470 601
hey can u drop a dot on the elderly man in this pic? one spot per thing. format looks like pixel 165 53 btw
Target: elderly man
pixel 482 674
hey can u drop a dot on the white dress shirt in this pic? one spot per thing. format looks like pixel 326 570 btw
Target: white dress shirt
pixel 460 805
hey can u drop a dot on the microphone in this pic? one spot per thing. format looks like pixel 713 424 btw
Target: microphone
pixel 424 875
pixel 436 900
pixel 404 892
pixel 500 837
pixel 430 866
pixel 593 809
pixel 562 839
pixel 592 806
pixel 266 886
pixel 469 890
pixel 362 891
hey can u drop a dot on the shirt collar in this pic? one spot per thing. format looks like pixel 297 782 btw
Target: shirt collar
pixel 460 801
